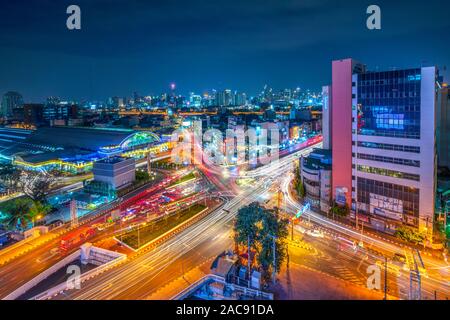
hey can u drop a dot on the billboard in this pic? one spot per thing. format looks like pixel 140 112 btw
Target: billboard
pixel 387 207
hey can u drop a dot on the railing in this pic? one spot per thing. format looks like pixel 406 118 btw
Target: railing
pixel 42 276
pixel 215 278
pixel 84 277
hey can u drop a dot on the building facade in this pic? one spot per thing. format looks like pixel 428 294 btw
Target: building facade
pixel 316 178
pixel 10 102
pixel 384 144
pixel 117 172
pixel 443 131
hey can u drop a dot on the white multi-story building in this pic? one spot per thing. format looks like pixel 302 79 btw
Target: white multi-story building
pixel 383 124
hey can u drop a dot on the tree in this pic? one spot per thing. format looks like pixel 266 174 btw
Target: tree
pixel 338 210
pixel 17 213
pixel 301 189
pixel 142 176
pixel 38 210
pixel 408 234
pixel 274 229
pixel 261 226
pixel 246 225
pixel 298 183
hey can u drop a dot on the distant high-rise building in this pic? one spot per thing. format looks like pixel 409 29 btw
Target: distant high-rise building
pixel 195 100
pixel 443 130
pixel 383 144
pixel 116 102
pixel 240 99
pixel 55 109
pixel 220 98
pixel 227 97
pixel 33 113
pixel 11 100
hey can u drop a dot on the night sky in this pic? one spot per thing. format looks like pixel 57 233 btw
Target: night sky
pixel 130 45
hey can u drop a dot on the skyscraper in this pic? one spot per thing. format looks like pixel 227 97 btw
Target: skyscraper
pixel 383 144
pixel 11 100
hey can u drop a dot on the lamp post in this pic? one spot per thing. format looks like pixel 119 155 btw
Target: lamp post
pixel 37 218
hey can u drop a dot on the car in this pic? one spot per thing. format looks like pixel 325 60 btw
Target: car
pixel 128 217
pixel 399 257
pixel 315 233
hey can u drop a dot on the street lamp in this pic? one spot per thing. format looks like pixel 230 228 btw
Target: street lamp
pixel 37 218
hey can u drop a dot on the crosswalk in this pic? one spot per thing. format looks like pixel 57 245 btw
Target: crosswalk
pixel 348 275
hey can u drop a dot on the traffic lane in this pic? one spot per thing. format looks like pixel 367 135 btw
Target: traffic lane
pixel 118 278
pixel 26 267
pixel 195 257
pixel 106 286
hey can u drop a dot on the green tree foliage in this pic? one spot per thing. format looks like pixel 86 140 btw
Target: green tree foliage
pixel 340 211
pixel 298 184
pixel 408 234
pixel 39 209
pixel 142 176
pixel 20 212
pixel 260 225
pixel 17 213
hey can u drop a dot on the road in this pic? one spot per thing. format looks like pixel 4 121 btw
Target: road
pixel 138 278
pixel 23 268
pixel 331 254
pixel 436 278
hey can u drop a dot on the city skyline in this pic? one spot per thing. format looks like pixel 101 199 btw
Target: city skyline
pixel 201 46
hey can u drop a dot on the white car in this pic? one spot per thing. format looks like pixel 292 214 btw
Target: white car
pixel 315 233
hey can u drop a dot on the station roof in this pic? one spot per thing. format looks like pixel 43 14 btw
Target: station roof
pixel 83 138
pixel 48 143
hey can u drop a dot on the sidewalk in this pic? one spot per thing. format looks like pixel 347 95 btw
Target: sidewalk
pixel 303 283
pixel 370 231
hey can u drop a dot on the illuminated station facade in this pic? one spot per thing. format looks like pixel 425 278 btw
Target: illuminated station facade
pixel 74 150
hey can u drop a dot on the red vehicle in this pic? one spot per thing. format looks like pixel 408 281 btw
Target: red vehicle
pixel 76 238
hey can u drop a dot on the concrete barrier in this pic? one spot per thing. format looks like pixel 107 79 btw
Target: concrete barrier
pixel 42 276
pixel 88 254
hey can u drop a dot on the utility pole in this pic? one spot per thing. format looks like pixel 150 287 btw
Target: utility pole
pixel 248 260
pixel 149 164
pixel 385 278
pixel 274 258
pixel 292 229
pixel 274 261
pixel 139 236
pixel 73 213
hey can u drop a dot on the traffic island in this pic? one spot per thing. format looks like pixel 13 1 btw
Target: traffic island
pixel 161 228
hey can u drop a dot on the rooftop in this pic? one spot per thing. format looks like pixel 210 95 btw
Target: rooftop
pixel 318 159
pixel 69 143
